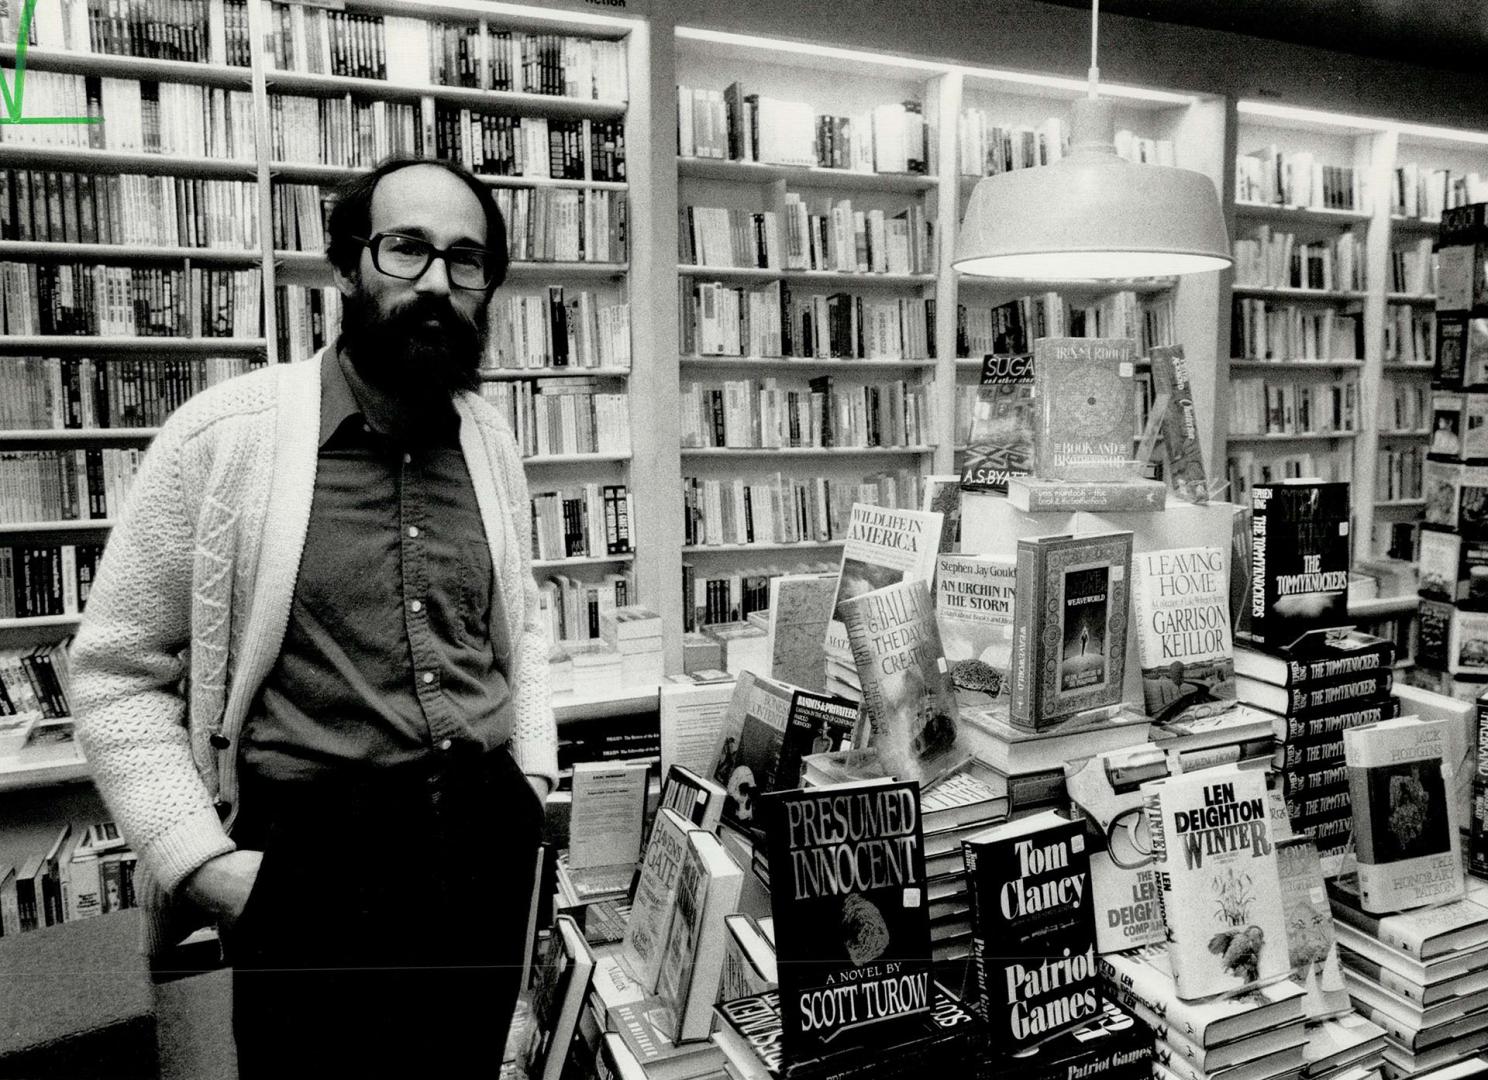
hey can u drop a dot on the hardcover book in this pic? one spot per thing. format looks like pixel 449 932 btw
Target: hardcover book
pixel 1180 425
pixel 1311 947
pixel 800 612
pixel 698 801
pixel 852 927
pixel 1069 642
pixel 974 611
pixel 1321 657
pixel 815 724
pixel 1035 495
pixel 1112 1046
pixel 1454 569
pixel 909 702
pixel 748 754
pixel 748 959
pixel 1127 910
pixel 1477 852
pixel 1183 632
pixel 1318 699
pixel 1033 928
pixel 1299 560
pixel 655 892
pixel 1404 832
pixel 708 885
pixel 943 497
pixel 1212 842
pixel 557 999
pixel 1000 445
pixel 1085 390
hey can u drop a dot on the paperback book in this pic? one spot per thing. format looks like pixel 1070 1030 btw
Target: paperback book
pixel 909 701
pixel 1213 846
pixel 1085 389
pixel 708 885
pixel 1183 632
pixel 1404 832
pixel 1069 643
pixel 1180 424
pixel 655 893
pixel 1299 560
pixel 974 611
pixel 852 929
pixel 1033 929
pixel 1311 946
pixel 1000 445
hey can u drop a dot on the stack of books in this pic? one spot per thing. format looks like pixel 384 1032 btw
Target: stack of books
pixel 1421 975
pixel 634 632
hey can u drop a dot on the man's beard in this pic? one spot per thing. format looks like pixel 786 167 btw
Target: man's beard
pixel 418 363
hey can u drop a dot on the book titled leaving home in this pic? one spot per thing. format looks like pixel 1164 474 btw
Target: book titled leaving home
pixel 1071 612
pixel 1085 394
pixel 1212 840
pixel 1299 560
pixel 1181 597
pixel 1033 928
pixel 1000 445
pixel 852 927
pixel 1404 832
pixel 974 610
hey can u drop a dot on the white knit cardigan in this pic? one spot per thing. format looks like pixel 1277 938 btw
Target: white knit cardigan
pixel 188 611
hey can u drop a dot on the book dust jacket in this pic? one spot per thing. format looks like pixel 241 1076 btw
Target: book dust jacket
pixel 1086 398
pixel 1000 445
pixel 1183 632
pixel 852 926
pixel 1299 560
pixel 974 610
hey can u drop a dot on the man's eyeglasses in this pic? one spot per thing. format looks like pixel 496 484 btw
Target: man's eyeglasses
pixel 408 257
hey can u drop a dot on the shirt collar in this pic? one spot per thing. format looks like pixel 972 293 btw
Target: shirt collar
pixel 337 402
pixel 343 395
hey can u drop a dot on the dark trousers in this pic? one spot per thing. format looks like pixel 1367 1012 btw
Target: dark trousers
pixel 384 935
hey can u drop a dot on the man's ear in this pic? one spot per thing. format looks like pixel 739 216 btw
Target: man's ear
pixel 346 283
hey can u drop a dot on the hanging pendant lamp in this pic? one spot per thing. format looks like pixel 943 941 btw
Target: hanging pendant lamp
pixel 1092 214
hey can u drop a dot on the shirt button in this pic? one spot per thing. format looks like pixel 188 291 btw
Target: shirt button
pixel 428 677
pixel 367 428
pixel 444 744
pixel 413 531
pixel 417 606
pixel 407 459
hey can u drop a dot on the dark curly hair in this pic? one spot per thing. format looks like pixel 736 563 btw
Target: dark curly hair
pixel 352 214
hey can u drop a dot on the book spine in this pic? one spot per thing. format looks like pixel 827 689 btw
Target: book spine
pixel 1022 707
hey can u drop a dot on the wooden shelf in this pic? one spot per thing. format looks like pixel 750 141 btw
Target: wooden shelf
pixel 785 363
pixel 1397 367
pixel 1288 292
pixel 1415 299
pixel 50 438
pixel 1399 504
pixel 582 560
pixel 802 451
pixel 1308 437
pixel 39 530
pixel 1385 605
pixel 621 702
pixel 1299 215
pixel 1407 433
pixel 131 67
pixel 66 623
pixel 1081 286
pixel 808 277
pixel 573 459
pixel 516 374
pixel 1415 226
pixel 44 251
pixel 311 172
pixel 727 549
pixel 753 172
pixel 82 159
pixel 1287 366
pixel 312 265
pixel 487 101
pixel 15 775
pixel 46 344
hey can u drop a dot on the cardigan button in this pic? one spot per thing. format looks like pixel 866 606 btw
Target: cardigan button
pixel 221 742
pixel 223 809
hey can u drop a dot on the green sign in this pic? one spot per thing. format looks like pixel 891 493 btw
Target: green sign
pixel 14 109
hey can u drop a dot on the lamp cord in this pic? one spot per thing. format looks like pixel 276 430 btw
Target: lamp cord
pixel 1094 75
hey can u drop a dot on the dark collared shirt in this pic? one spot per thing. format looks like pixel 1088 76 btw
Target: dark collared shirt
pixel 396 646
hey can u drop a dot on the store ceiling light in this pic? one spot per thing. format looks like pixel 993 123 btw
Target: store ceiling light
pixel 1092 214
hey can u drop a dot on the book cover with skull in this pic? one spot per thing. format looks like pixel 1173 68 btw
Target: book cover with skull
pixel 1214 849
pixel 1404 832
pixel 852 925
pixel 1033 928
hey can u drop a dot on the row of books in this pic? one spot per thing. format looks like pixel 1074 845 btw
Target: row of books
pixel 772 320
pixel 299 215
pixel 1463 240
pixel 556 331
pixel 71 392
pixel 750 413
pixel 492 144
pixel 93 299
pixel 1275 259
pixel 571 610
pixel 1461 352
pixel 65 485
pixel 1422 192
pixel 584 520
pixel 989 147
pixel 138 115
pixel 562 416
pixel 1399 474
pixel 1296 178
pixel 1452 638
pixel 46 579
pixel 780 509
pixel 1278 407
pixel 93 208
pixel 1457 496
pixel 1245 468
pixel 1404 406
pixel 733 125
pixel 1459 425
pixel 35 685
pixel 413 51
pixel 1012 326
pixel 79 874
pixel 1265 330
pixel 306 319
pixel 1454 569
pixel 969 395
pixel 556 225
pixel 1410 335
pixel 1413 270
pixel 195 31
pixel 833 237
pixel 347 131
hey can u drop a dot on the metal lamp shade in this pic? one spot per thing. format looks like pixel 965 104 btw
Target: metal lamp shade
pixel 1092 215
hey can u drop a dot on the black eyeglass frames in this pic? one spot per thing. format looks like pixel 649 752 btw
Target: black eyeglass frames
pixel 408 257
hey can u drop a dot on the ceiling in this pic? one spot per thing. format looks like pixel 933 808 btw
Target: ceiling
pixel 1451 34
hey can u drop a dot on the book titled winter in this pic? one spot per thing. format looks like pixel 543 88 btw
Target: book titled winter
pixel 909 702
pixel 1212 842
pixel 974 610
pixel 1404 832
pixel 1183 632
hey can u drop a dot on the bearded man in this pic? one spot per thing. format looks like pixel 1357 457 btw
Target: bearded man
pixel 311 679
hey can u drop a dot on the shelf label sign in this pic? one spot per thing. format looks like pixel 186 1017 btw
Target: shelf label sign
pixel 13 95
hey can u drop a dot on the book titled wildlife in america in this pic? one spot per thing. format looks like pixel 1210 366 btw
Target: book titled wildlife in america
pixel 1212 842
pixel 852 923
pixel 1000 445
pixel 1085 392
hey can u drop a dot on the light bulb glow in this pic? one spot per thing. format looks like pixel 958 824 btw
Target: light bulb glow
pixel 1100 265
